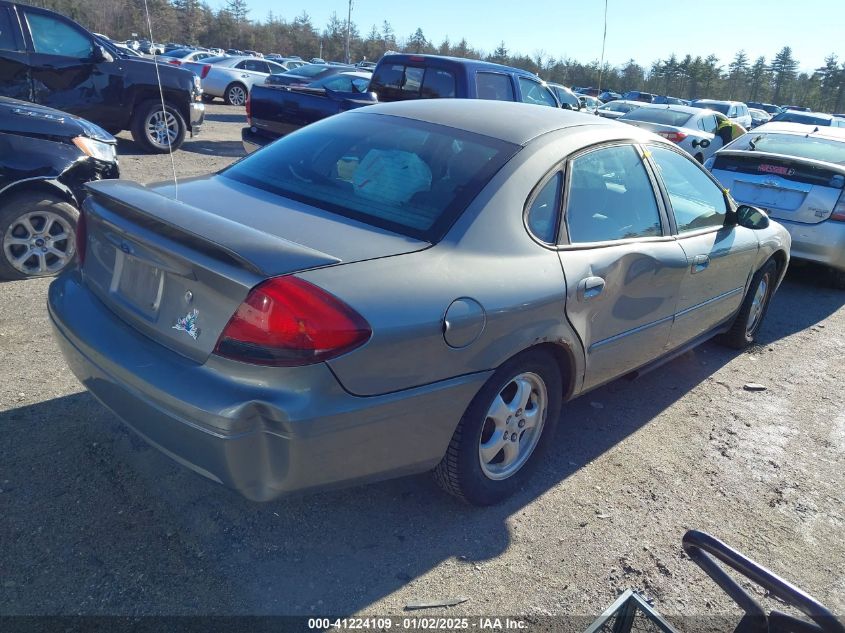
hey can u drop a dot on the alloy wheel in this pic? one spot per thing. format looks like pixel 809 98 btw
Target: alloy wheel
pixel 162 128
pixel 39 243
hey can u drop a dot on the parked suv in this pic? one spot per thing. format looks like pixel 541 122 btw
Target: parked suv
pixel 734 110
pixel 51 60
pixel 636 95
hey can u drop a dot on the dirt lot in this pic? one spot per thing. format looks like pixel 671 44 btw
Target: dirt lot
pixel 96 522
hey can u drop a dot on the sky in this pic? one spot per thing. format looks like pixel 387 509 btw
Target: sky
pixel 644 30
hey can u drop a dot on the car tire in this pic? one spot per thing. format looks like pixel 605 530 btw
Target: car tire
pixel 837 278
pixel 235 94
pixel 465 471
pixel 30 222
pixel 149 124
pixel 753 310
pixel 207 98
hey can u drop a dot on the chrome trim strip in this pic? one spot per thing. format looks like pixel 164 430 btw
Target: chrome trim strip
pixel 636 330
pixel 724 295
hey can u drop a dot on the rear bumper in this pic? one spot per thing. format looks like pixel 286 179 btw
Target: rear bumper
pixel 823 243
pixel 253 140
pixel 263 431
pixel 197 115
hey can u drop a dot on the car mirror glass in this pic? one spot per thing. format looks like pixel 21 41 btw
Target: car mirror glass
pixel 751 217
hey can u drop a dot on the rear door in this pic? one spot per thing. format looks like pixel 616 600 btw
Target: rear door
pixel 14 65
pixel 719 257
pixel 623 268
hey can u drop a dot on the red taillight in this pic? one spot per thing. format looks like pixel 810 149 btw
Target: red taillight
pixel 675 137
pixel 81 237
pixel 248 111
pixel 287 322
pixel 839 210
pixel 175 62
pixel 204 71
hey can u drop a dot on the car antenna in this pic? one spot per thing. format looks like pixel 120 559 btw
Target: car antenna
pixel 603 42
pixel 163 109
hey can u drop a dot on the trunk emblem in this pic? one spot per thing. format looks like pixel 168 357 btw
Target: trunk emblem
pixel 188 324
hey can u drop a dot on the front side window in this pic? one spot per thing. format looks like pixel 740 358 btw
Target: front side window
pixel 697 202
pixel 494 86
pixel 536 93
pixel 543 213
pixel 610 197
pixel 405 176
pixel 51 36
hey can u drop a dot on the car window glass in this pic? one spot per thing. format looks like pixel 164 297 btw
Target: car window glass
pixel 543 214
pixel 697 201
pixel 413 79
pixel 494 86
pixel 710 123
pixel 700 124
pixel 340 83
pixel 7 36
pixel 274 68
pixel 438 84
pixel 54 37
pixel 534 92
pixel 610 197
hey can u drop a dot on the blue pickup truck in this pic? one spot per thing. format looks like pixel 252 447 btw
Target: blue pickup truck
pixel 274 111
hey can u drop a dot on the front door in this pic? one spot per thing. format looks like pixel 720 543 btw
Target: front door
pixel 720 257
pixel 14 66
pixel 623 268
pixel 65 73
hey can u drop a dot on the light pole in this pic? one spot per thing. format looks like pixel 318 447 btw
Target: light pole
pixel 348 29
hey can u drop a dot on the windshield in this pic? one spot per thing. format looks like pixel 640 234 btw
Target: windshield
pixel 179 53
pixel 799 117
pixel 406 176
pixel 712 105
pixel 797 145
pixel 663 116
pixel 618 107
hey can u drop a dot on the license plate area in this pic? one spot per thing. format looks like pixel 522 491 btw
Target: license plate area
pixel 138 284
pixel 769 196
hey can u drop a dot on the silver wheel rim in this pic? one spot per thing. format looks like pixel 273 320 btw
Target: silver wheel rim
pixel 39 243
pixel 162 128
pixel 757 305
pixel 513 426
pixel 237 95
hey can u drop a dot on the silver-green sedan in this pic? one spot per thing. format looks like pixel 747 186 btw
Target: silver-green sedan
pixel 406 287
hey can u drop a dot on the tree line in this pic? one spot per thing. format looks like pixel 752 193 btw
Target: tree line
pixel 777 80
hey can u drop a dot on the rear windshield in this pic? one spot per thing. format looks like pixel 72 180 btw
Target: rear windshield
pixel 798 145
pixel 309 70
pixel 406 176
pixel 179 53
pixel 712 105
pixel 659 115
pixel 614 106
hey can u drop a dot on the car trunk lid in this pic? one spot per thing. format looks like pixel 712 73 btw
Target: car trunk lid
pixel 177 273
pixel 788 188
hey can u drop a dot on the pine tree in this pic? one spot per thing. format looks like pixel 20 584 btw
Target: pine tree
pixel 759 80
pixel 417 42
pixel 737 73
pixel 500 55
pixel 783 69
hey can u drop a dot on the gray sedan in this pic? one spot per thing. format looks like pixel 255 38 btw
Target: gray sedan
pixel 232 77
pixel 405 287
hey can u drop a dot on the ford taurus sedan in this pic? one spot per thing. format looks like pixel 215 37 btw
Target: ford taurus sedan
pixel 797 174
pixel 407 287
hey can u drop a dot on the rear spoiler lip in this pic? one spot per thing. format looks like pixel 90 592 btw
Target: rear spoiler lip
pixel 218 235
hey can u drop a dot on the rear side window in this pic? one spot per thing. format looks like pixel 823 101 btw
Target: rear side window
pixel 51 36
pixel 610 197
pixel 536 93
pixel 253 65
pixel 410 177
pixel 543 213
pixel 494 86
pixel 7 35
pixel 659 115
pixel 394 82
pixel 697 202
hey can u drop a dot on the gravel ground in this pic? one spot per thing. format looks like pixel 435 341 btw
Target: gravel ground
pixel 96 522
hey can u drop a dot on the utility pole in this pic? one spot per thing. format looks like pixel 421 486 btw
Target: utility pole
pixel 348 25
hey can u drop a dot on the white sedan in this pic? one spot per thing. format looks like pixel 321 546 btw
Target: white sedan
pixel 232 77
pixel 693 129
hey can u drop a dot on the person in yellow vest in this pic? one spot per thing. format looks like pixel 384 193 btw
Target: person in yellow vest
pixel 728 130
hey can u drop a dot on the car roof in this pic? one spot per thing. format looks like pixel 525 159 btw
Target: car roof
pixel 803 129
pixel 508 121
pixel 802 113
pixel 626 102
pixel 718 101
pixel 676 107
pixel 469 63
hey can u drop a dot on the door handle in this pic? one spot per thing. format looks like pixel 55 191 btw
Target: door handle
pixel 590 287
pixel 245 76
pixel 699 263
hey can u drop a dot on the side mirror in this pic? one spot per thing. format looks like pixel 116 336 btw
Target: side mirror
pixel 100 55
pixel 751 217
